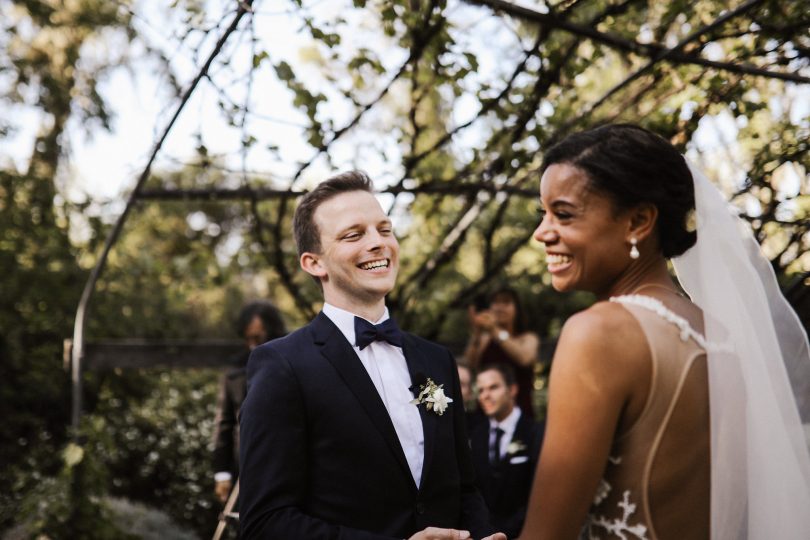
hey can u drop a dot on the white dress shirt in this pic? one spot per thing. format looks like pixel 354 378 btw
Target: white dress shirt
pixel 508 426
pixel 386 365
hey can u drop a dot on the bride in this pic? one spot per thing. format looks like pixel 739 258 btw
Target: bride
pixel 670 416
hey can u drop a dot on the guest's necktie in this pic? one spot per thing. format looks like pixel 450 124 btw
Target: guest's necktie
pixel 495 447
pixel 365 332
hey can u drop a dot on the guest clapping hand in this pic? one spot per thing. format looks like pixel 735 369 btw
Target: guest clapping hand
pixel 499 335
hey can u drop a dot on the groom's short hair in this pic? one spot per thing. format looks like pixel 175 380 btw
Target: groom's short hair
pixel 305 230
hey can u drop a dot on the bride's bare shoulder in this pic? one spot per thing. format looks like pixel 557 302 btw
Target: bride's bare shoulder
pixel 601 324
pixel 602 337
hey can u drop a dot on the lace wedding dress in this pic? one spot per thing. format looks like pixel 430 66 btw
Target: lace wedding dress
pixel 658 473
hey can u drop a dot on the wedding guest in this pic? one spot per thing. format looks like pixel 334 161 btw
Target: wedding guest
pixel 669 416
pixel 258 322
pixel 472 413
pixel 465 381
pixel 500 336
pixel 351 428
pixel 504 448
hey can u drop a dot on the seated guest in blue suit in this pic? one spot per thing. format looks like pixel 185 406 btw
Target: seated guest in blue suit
pixel 352 429
pixel 505 449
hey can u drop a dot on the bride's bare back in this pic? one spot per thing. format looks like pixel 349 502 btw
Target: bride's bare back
pixel 627 440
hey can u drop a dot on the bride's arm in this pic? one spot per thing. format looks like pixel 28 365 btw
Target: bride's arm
pixel 592 378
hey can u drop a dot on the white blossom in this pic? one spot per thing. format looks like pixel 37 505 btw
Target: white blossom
pixel 432 395
pixel 439 401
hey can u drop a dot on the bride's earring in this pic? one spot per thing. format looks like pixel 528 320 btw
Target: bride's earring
pixel 633 249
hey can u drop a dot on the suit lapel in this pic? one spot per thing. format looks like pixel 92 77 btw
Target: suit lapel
pixel 419 367
pixel 480 455
pixel 506 471
pixel 503 468
pixel 523 431
pixel 341 355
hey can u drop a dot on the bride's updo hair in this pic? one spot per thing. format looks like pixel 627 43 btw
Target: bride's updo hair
pixel 632 165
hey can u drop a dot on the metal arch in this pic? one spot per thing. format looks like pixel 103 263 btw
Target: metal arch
pixel 244 6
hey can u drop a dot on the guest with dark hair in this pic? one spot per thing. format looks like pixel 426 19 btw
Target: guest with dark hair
pixel 257 322
pixel 500 336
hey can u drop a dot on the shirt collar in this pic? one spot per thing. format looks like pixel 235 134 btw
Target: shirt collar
pixel 507 424
pixel 344 320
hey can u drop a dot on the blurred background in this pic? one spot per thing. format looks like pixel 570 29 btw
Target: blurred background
pixel 181 133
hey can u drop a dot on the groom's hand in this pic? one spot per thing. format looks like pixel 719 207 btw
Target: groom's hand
pixel 496 536
pixel 435 533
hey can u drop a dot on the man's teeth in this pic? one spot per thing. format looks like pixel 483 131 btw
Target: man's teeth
pixel 374 264
pixel 553 258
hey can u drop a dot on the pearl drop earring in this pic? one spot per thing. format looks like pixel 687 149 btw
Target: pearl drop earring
pixel 633 249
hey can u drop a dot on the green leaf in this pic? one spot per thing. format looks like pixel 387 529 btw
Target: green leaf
pixel 284 71
pixel 259 57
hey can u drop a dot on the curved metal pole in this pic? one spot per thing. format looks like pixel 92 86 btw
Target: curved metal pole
pixel 77 353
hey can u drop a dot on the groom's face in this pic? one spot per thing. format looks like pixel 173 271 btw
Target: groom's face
pixel 359 256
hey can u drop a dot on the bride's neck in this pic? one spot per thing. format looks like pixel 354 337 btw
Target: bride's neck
pixel 651 275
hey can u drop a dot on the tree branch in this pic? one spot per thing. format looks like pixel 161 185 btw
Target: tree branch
pixel 650 50
pixel 81 311
pixel 438 187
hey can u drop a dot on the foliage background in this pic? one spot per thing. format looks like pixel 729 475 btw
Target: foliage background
pixel 448 104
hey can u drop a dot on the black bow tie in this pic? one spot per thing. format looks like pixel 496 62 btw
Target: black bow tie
pixel 365 332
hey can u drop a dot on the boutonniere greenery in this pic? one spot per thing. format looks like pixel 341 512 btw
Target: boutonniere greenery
pixel 515 447
pixel 432 396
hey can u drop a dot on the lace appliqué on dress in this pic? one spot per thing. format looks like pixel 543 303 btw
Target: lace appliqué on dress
pixel 658 307
pixel 620 527
pixel 604 487
pixel 617 527
pixel 602 491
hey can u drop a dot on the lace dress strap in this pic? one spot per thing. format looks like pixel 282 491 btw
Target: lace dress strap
pixel 658 307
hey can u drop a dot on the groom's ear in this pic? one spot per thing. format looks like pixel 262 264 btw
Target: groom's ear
pixel 643 218
pixel 311 264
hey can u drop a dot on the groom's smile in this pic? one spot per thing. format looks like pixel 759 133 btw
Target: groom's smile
pixel 375 265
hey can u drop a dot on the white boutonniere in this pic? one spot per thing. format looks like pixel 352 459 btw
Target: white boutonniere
pixel 432 395
pixel 515 447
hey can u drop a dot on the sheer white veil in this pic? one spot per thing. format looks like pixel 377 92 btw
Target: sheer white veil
pixel 759 379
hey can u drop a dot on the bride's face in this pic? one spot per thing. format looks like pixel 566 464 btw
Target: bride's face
pixel 585 238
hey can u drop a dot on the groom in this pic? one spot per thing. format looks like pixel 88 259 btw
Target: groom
pixel 332 445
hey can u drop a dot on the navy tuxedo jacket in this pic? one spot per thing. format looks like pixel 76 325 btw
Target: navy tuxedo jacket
pixel 320 458
pixel 506 485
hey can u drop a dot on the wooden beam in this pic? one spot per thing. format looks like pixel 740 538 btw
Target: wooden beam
pixel 143 353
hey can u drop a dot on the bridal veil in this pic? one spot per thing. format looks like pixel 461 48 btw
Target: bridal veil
pixel 759 379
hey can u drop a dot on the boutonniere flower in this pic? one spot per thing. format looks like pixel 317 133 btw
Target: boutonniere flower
pixel 433 397
pixel 515 447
